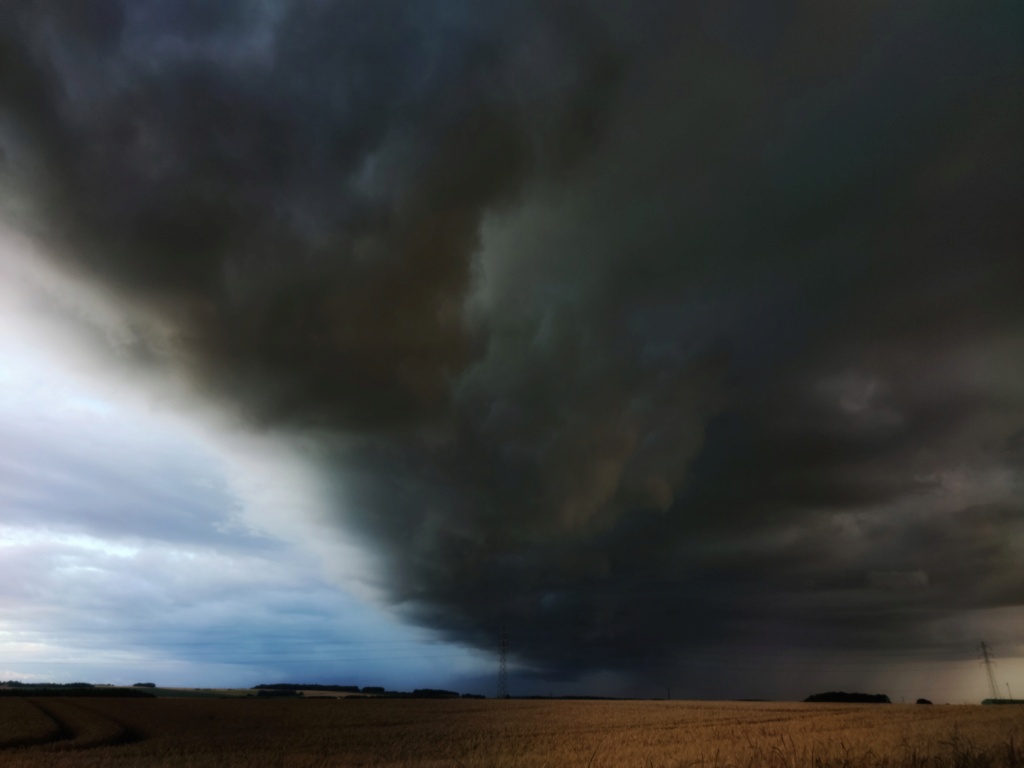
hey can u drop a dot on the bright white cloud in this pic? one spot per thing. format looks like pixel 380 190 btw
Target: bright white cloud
pixel 143 539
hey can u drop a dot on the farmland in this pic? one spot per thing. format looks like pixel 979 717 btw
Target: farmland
pixel 382 733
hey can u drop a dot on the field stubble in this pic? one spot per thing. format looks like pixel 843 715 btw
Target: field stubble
pixel 381 733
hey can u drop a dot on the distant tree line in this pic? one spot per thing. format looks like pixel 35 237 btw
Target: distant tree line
pixel 309 686
pixel 106 692
pixel 293 689
pixel 849 698
pixel 266 690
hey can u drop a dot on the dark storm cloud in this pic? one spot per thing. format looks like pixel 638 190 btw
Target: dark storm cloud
pixel 302 199
pixel 638 331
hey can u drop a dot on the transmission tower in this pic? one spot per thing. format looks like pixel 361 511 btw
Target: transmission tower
pixel 988 661
pixel 503 665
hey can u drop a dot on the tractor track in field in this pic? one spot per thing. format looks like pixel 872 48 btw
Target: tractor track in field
pixel 81 727
pixel 56 733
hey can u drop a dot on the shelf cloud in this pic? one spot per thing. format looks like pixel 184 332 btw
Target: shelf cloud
pixel 643 331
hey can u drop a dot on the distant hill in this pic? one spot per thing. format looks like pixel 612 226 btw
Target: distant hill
pixel 849 698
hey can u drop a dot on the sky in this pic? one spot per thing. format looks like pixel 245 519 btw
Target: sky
pixel 683 342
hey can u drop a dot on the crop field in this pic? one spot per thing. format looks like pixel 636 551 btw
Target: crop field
pixel 383 733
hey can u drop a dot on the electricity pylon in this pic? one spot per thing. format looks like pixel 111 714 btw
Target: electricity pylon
pixel 988 661
pixel 503 666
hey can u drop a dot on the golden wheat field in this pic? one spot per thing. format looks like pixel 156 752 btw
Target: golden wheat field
pixel 118 733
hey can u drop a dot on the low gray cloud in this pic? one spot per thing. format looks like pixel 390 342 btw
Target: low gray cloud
pixel 115 489
pixel 641 331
